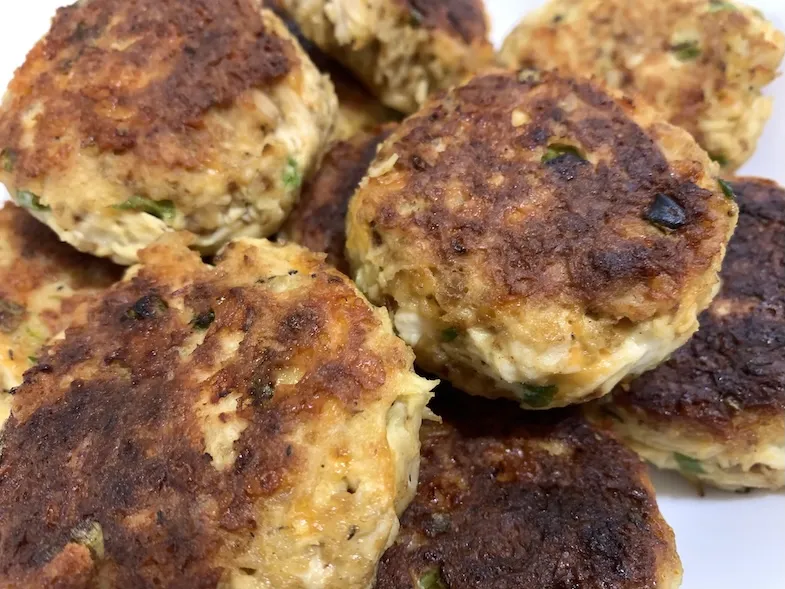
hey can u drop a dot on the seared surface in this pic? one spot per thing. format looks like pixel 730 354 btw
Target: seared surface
pixel 463 18
pixel 43 284
pixel 514 500
pixel 319 221
pixel 735 363
pixel 186 421
pixel 136 75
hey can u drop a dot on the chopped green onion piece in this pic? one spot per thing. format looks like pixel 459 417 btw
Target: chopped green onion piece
pixel 8 159
pixel 727 189
pixel 529 76
pixel 203 320
pixel 556 150
pixel 291 177
pixel 719 158
pixel 162 209
pixel 449 334
pixel 686 51
pixel 665 212
pixel 718 5
pixel 31 201
pixel 417 17
pixel 688 464
pixel 91 535
pixel 33 359
pixel 431 579
pixel 534 395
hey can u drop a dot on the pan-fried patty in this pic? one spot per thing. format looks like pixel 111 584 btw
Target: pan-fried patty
pixel 538 238
pixel 716 410
pixel 319 220
pixel 402 50
pixel 514 500
pixel 44 284
pixel 131 118
pixel 702 63
pixel 248 424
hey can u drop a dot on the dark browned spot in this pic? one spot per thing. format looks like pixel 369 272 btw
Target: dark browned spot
pixel 462 18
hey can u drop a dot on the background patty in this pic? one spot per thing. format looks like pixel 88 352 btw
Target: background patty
pixel 716 410
pixel 539 239
pixel 130 118
pixel 402 50
pixel 702 63
pixel 319 220
pixel 44 284
pixel 250 422
pixel 514 500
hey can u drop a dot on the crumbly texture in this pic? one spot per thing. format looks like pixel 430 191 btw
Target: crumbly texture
pixel 720 400
pixel 702 63
pixel 319 220
pixel 402 50
pixel 516 229
pixel 250 424
pixel 132 118
pixel 514 500
pixel 44 285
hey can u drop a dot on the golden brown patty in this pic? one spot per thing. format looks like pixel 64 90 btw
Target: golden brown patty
pixel 403 50
pixel 44 284
pixel 319 221
pixel 702 63
pixel 252 422
pixel 131 118
pixel 538 238
pixel 719 402
pixel 514 500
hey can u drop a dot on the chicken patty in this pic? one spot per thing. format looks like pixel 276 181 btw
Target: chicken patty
pixel 44 285
pixel 252 423
pixel 702 63
pixel 319 220
pixel 538 238
pixel 133 118
pixel 716 410
pixel 402 50
pixel 513 500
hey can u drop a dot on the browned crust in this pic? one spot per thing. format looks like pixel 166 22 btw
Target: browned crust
pixel 495 508
pixel 319 221
pixel 567 229
pixel 461 18
pixel 118 442
pixel 36 259
pixel 150 97
pixel 735 364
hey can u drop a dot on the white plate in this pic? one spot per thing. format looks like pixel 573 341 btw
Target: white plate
pixel 725 541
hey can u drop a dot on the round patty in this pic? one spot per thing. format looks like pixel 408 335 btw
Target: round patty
pixel 44 285
pixel 716 410
pixel 252 423
pixel 537 238
pixel 319 220
pixel 514 500
pixel 403 50
pixel 702 63
pixel 131 118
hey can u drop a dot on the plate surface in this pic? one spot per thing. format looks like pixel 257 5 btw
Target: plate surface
pixel 725 541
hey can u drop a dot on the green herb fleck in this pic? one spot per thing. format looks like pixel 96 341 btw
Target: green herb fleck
pixel 147 307
pixel 556 150
pixel 727 189
pixel 33 359
pixel 449 334
pixel 529 76
pixel 28 200
pixel 11 315
pixel 417 18
pixel 718 5
pixel 8 159
pixel 91 535
pixel 535 395
pixel 162 209
pixel 203 320
pixel 431 579
pixel 291 177
pixel 719 158
pixel 261 390
pixel 688 464
pixel 686 51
